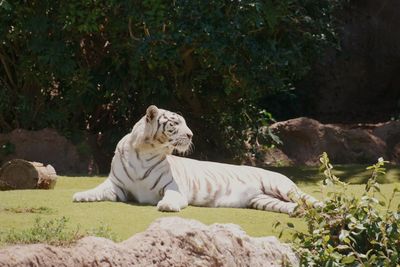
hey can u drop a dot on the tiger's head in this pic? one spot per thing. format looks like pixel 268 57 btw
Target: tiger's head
pixel 164 128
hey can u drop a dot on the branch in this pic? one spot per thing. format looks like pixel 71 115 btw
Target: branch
pixel 146 30
pixel 187 53
pixel 256 30
pixel 7 69
pixel 130 30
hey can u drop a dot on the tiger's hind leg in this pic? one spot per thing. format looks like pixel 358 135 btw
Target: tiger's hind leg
pixel 270 203
pixel 106 191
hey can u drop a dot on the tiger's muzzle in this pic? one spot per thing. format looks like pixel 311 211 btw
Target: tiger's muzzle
pixel 183 143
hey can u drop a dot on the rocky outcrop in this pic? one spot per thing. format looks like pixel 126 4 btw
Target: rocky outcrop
pixel 305 139
pixel 46 146
pixel 170 241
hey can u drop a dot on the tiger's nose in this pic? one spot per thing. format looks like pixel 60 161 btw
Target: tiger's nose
pixel 189 135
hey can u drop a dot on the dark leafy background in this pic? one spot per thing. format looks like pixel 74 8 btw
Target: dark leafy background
pixel 94 66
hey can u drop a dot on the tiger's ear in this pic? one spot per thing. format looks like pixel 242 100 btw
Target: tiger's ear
pixel 151 113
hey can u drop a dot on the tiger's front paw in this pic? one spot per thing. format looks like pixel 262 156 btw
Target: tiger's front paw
pixel 164 205
pixel 82 197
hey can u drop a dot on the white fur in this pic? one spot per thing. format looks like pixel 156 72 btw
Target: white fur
pixel 144 170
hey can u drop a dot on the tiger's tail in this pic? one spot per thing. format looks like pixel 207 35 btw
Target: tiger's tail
pixel 283 196
pixel 297 195
pixel 271 203
pixel 284 203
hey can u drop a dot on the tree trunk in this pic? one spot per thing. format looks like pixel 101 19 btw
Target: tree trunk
pixel 22 174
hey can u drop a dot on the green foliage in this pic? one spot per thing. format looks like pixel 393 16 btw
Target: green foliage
pixel 104 230
pixel 249 126
pixel 53 232
pixel 96 65
pixel 350 231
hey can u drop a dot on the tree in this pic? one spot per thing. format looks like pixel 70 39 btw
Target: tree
pixel 95 65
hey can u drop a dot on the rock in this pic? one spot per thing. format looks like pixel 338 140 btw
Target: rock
pixel 169 241
pixel 305 139
pixel 46 146
pixel 265 157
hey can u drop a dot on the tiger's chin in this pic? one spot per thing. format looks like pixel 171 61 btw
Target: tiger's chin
pixel 182 148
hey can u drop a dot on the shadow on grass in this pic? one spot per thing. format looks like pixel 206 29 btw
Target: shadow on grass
pixel 351 173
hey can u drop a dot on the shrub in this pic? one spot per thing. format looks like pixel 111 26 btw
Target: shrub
pixel 350 231
pixel 53 232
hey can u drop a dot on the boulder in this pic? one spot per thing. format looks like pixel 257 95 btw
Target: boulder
pixel 305 139
pixel 169 241
pixel 46 146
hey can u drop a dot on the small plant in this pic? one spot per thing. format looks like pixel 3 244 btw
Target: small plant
pixel 349 231
pixel 53 232
pixel 104 230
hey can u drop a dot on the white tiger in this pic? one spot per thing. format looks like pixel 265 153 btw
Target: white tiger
pixel 144 170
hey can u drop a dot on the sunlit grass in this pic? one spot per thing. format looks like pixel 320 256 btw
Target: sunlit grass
pixel 352 173
pixel 20 208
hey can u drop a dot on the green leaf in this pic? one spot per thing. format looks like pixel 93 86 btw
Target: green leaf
pixel 4 4
pixel 348 259
pixel 343 235
pixel 342 247
pixel 346 240
pixel 290 225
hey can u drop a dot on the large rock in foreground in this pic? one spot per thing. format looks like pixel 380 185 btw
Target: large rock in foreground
pixel 170 241
pixel 305 139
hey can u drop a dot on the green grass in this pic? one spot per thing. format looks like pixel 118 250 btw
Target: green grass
pixel 353 173
pixel 20 208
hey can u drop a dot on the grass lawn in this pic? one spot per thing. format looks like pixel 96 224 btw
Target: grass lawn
pixel 18 209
